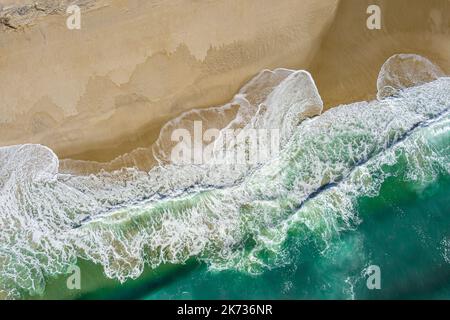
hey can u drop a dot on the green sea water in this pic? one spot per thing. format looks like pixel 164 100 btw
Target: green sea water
pixel 400 224
pixel 360 185
pixel 404 230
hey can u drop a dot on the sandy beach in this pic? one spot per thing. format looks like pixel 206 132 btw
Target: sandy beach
pixel 98 93
pixel 349 124
pixel 105 90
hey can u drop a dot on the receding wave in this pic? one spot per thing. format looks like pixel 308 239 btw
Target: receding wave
pixel 234 217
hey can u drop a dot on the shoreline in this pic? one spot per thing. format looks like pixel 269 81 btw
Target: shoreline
pixel 122 89
pixel 107 112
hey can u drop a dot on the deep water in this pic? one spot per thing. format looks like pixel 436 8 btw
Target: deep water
pixel 404 231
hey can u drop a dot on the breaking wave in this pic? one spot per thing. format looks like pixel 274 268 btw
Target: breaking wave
pixel 234 217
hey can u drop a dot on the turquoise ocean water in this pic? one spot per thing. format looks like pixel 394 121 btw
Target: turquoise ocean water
pixel 360 185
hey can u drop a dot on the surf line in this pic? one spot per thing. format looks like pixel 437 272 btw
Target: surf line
pixel 421 124
pixel 194 311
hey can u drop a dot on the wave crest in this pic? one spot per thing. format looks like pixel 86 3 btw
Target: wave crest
pixel 229 219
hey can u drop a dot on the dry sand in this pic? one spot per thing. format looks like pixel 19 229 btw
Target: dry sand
pixel 101 92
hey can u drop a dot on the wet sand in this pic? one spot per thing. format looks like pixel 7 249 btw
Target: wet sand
pixel 99 93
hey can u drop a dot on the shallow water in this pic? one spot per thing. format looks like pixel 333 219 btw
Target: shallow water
pixel 359 185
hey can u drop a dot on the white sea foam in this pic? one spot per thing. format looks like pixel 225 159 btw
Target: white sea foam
pixel 229 219
pixel 405 70
pixel 234 115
